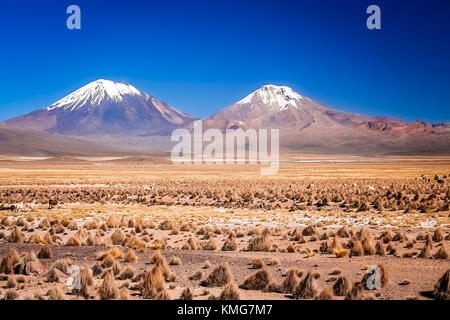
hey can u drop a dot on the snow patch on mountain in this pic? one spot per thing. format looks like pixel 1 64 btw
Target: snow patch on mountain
pixel 280 97
pixel 95 93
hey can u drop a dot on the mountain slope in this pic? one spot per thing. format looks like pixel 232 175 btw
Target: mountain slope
pixel 104 107
pixel 308 126
pixel 37 143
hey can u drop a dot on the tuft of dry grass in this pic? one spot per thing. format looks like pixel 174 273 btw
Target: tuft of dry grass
pixel 342 286
pixel 131 256
pixel 159 261
pixel 257 263
pixel 230 243
pixel 186 294
pixel 219 277
pixel 152 283
pixel 108 289
pixel 438 236
pixel 307 287
pixel 441 253
pixel 73 242
pixel 10 261
pixel 15 236
pixel 260 243
pixel 210 245
pixel 291 281
pixel 442 287
pixel 230 292
pixel 175 261
pixel 357 249
pixel 325 294
pixel 56 293
pixel 257 281
pixel 117 238
pixel 11 283
pixel 46 252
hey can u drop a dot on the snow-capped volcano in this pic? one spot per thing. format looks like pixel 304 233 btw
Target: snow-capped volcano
pixel 105 107
pixel 277 97
pixel 96 93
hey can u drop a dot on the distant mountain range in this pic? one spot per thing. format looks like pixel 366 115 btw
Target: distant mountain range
pixel 113 116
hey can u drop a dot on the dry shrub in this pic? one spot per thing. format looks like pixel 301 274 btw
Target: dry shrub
pixel 168 225
pixel 230 243
pixel 108 289
pixel 10 261
pixel 175 261
pixel 307 287
pixel 137 244
pixel 324 247
pixel 62 264
pixel 113 222
pixel 97 269
pixel 131 256
pixel 257 263
pixel 230 292
pixel 343 232
pixel 11 294
pixel 220 276
pixel 336 247
pixel 274 262
pixel 117 237
pixel 46 252
pixel 262 243
pixel 257 281
pixel 357 249
pixel 53 275
pixel 159 261
pixel 379 248
pixel 400 236
pixel 387 236
pixel 127 273
pixel 196 276
pixel 44 224
pixel 11 283
pixel 56 293
pixel 342 286
pixel 152 283
pixel 108 261
pixel 186 294
pixel 441 253
pixel 356 293
pixel 206 265
pixel 15 236
pixel 421 236
pixel 86 280
pixel 210 245
pixel 297 235
pixel 73 242
pixel 442 287
pixel 426 252
pixel 438 236
pixel 191 244
pixel 291 281
pixel 325 294
pixel 124 294
pixel 290 248
pixel 309 231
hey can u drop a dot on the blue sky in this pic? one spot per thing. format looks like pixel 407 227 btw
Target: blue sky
pixel 200 56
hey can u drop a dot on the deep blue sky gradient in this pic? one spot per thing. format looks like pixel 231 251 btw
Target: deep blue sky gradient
pixel 202 55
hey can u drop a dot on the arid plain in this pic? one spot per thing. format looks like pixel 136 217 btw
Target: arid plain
pixel 143 228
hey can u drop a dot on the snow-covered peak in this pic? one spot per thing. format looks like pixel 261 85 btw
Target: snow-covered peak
pixel 94 93
pixel 280 97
